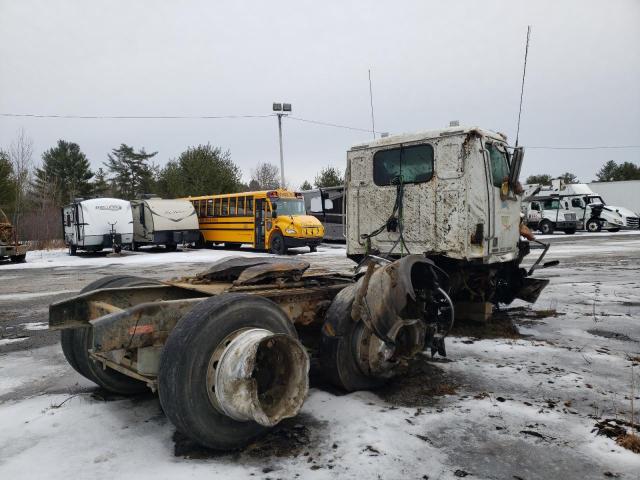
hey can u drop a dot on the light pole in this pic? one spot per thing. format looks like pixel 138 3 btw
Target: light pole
pixel 281 109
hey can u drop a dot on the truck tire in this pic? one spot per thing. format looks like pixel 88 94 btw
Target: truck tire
pixel 546 227
pixel 76 342
pixel 337 351
pixel 613 230
pixel 277 244
pixel 593 226
pixel 183 366
pixel 570 231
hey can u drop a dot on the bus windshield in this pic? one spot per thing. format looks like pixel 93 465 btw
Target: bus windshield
pixel 289 206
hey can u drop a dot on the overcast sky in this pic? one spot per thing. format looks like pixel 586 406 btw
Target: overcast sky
pixel 431 62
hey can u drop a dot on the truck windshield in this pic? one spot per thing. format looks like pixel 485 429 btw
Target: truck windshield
pixel 289 206
pixel 595 199
pixel 499 163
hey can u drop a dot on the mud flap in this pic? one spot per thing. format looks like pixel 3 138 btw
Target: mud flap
pixel 531 289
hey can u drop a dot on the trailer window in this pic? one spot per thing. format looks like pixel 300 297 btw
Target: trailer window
pixel 225 207
pixel 249 206
pixel 411 164
pixel 499 164
pixel 241 206
pixel 68 220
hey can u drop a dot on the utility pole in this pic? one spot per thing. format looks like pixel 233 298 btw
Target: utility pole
pixel 282 110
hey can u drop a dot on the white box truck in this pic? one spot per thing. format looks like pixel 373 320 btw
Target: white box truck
pixel 97 223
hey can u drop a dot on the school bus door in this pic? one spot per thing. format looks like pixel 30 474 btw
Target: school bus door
pixel 259 213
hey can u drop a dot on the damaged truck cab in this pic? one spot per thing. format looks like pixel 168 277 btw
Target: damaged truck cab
pixel 451 195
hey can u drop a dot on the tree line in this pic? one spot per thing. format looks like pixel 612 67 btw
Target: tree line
pixel 32 194
pixel 610 172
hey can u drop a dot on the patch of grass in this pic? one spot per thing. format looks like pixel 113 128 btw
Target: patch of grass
pixel 630 441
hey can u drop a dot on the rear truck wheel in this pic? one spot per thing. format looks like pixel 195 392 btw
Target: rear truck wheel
pixel 593 225
pixel 313 248
pixel 546 227
pixel 277 244
pixel 339 349
pixel 231 369
pixel 134 246
pixel 570 231
pixel 18 258
pixel 76 343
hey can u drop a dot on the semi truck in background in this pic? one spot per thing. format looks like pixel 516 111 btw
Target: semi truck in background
pixel 548 214
pixel 592 213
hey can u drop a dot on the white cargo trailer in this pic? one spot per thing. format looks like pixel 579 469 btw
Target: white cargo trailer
pixel 157 221
pixel 97 223
pixel 624 193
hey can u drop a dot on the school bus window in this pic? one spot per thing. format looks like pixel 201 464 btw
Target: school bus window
pixel 249 206
pixel 241 206
pixel 209 208
pixel 203 208
pixel 225 207
pixel 216 207
pixel 232 206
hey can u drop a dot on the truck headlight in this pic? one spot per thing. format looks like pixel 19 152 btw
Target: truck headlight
pixel 291 231
pixel 618 221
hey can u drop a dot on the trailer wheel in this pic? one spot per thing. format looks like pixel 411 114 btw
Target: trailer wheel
pixel 337 349
pixel 277 244
pixel 18 258
pixel 76 343
pixel 546 227
pixel 593 225
pixel 186 359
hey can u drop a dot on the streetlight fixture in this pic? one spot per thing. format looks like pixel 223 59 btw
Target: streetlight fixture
pixel 282 110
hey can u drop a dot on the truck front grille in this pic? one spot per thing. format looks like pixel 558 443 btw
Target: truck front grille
pixel 633 222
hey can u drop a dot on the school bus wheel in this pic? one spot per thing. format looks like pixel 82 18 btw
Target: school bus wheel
pixel 277 244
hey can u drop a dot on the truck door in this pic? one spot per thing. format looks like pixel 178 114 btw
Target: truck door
pixel 259 223
pixel 506 213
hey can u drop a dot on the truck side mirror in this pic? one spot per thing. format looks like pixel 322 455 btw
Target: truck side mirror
pixel 516 165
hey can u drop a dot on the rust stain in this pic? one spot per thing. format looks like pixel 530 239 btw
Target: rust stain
pixel 141 330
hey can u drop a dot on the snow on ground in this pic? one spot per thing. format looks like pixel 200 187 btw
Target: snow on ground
pixel 513 407
pixel 61 257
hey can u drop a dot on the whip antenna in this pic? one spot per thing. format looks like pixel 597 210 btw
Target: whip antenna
pixel 524 73
pixel 373 122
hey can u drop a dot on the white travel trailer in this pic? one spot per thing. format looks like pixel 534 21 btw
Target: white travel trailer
pixel 586 204
pixel 164 222
pixel 97 223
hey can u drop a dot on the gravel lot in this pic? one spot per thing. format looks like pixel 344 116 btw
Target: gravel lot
pixel 515 406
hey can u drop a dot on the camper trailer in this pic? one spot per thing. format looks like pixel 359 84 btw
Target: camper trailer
pixel 157 221
pixel 98 223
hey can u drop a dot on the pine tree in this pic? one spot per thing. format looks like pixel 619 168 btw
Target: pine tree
pixel 306 185
pixel 100 186
pixel 607 172
pixel 131 174
pixel 328 177
pixel 64 174
pixel 7 187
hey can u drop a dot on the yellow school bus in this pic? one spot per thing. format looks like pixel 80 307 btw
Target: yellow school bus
pixel 273 220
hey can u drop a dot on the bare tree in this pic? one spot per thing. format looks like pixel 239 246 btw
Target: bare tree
pixel 21 158
pixel 265 176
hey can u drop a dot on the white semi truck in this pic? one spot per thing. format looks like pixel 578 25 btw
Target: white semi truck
pixel 592 213
pixel 97 223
